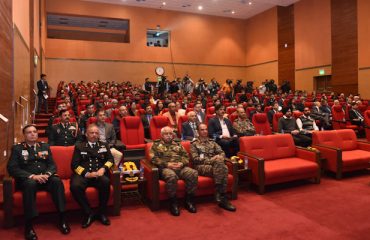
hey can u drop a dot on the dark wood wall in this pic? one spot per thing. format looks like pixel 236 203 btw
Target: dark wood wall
pixel 344 46
pixel 6 80
pixel 286 54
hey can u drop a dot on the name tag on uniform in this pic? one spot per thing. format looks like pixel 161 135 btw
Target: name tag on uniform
pixel 201 155
pixel 83 153
pixel 25 153
pixel 102 150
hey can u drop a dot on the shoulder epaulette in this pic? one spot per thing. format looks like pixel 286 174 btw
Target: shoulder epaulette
pixel 157 140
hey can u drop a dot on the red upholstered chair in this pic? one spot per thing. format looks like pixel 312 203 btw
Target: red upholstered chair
pixel 268 108
pixel 91 120
pixel 209 116
pixel 182 119
pixel 232 117
pixel 210 110
pixel 275 159
pixel 275 121
pixel 113 114
pixel 261 124
pixel 342 151
pixel 188 110
pixel 155 188
pixel 132 132
pixel 367 124
pixel 230 110
pixel 249 110
pixel 297 114
pixel 339 120
pixel 62 156
pixel 156 124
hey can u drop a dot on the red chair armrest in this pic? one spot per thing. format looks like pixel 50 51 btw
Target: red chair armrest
pixel 363 145
pixel 328 152
pixel 307 154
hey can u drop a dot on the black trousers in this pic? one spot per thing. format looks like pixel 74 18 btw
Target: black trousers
pixel 29 189
pixel 78 189
pixel 42 101
pixel 229 146
pixel 302 140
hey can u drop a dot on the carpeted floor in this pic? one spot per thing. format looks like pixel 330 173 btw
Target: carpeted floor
pixel 300 210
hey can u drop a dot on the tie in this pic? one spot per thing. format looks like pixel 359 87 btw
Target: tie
pixel 93 145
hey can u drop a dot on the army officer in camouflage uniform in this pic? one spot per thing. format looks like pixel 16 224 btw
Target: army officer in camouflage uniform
pixel 91 162
pixel 172 159
pixel 209 160
pixel 65 132
pixel 33 167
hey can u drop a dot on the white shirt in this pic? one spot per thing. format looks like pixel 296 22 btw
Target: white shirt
pixel 225 130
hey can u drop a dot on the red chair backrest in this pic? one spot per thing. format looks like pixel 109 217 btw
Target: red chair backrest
pixel 62 157
pixel 297 114
pixel 249 110
pixel 269 147
pixel 261 124
pixel 339 118
pixel 182 119
pixel 230 110
pixel 210 111
pixel 188 110
pixel 344 138
pixel 275 121
pixel 367 124
pixel 132 130
pixel 156 124
pixel 232 117
pixel 268 108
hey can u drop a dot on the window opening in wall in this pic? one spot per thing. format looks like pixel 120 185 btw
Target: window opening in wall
pixel 88 28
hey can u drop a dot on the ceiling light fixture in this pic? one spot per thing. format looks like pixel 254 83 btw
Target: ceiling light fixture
pixel 232 12
pixel 250 3
pixel 200 8
pixel 164 3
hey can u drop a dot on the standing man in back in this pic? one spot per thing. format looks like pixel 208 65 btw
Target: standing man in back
pixel 42 94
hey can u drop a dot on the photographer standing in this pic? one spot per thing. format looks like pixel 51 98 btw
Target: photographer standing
pixel 213 87
pixel 228 89
pixel 238 87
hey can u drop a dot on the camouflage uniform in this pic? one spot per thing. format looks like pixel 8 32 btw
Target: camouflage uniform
pixel 202 151
pixel 163 153
pixel 243 128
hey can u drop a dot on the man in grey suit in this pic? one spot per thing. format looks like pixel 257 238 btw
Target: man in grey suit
pixel 107 135
pixel 199 113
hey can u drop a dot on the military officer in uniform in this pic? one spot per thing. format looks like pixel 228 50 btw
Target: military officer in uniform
pixel 209 160
pixel 91 162
pixel 33 167
pixel 65 132
pixel 172 160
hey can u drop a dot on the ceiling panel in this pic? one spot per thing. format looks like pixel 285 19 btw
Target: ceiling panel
pixel 241 9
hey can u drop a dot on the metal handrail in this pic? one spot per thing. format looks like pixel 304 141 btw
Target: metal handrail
pixel 35 108
pixel 22 106
pixel 6 120
pixel 27 108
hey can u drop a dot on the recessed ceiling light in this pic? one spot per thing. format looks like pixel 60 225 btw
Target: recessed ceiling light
pixel 200 7
pixel 232 12
pixel 164 3
pixel 250 3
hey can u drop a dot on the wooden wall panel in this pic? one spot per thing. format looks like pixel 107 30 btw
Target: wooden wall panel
pixel 344 46
pixel 6 80
pixel 286 53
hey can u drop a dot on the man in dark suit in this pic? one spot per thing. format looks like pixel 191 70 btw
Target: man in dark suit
pixel 355 115
pixel 325 108
pixel 43 87
pixel 220 129
pixel 91 162
pixel 145 119
pixel 201 116
pixel 33 167
pixel 271 113
pixel 189 128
